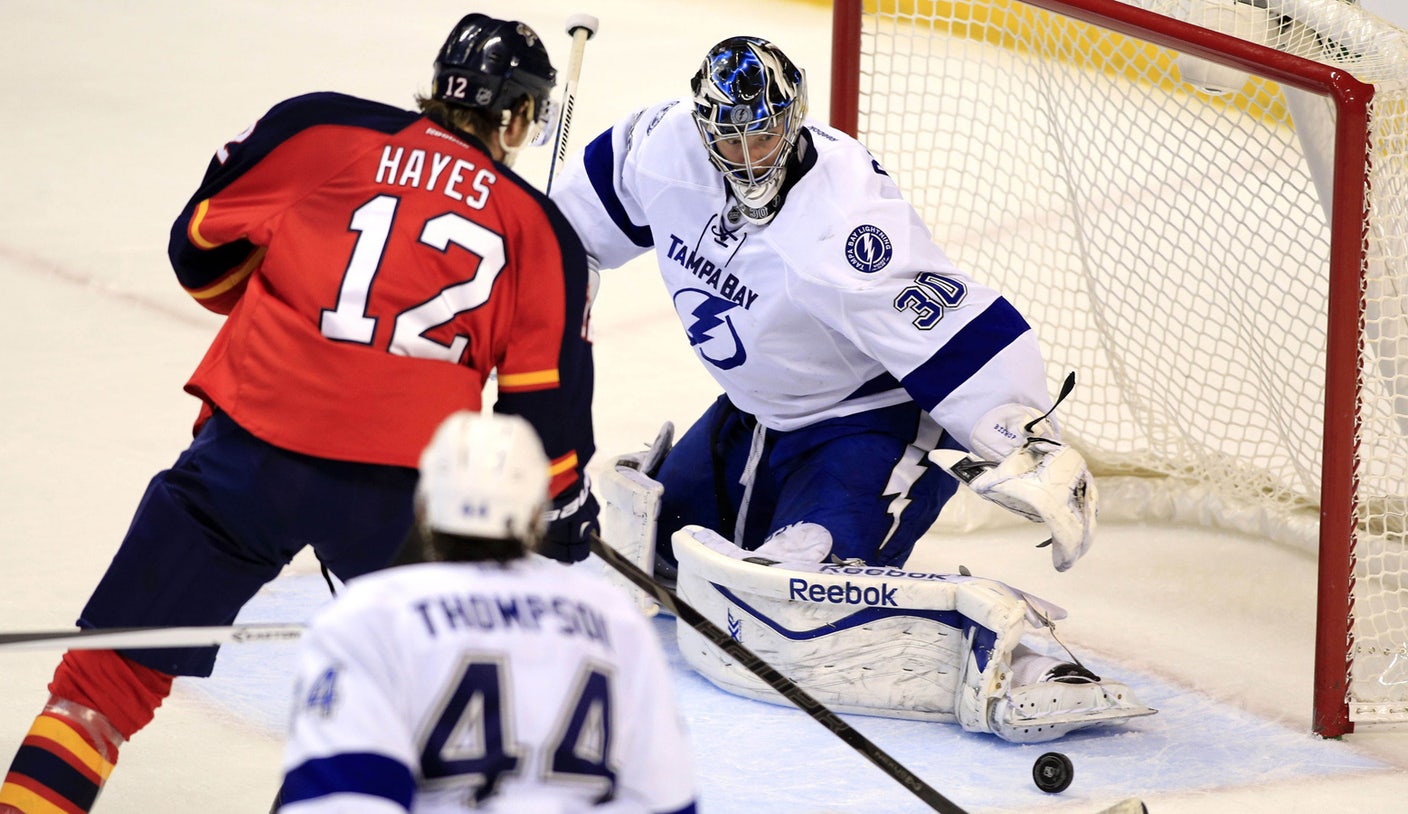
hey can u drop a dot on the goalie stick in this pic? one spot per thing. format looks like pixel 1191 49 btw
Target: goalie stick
pixel 792 692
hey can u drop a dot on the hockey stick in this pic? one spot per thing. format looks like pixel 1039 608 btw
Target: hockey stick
pixel 785 686
pixel 581 27
pixel 132 638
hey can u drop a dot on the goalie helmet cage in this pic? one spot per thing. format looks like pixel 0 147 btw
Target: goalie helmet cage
pixel 1200 206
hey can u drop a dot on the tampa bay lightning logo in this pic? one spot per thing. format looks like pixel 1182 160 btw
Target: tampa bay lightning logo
pixel 710 328
pixel 868 249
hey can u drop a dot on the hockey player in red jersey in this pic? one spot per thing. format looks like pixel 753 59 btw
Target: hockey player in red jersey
pixel 376 265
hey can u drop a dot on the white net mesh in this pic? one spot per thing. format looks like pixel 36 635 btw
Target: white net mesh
pixel 1171 244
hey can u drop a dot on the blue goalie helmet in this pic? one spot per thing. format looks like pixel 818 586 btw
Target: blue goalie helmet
pixel 492 65
pixel 749 102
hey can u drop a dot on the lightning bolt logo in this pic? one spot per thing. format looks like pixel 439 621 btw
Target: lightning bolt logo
pixel 868 249
pixel 706 319
pixel 911 467
pixel 707 324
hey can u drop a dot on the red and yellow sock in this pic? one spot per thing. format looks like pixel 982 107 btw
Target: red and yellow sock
pixel 99 700
pixel 61 765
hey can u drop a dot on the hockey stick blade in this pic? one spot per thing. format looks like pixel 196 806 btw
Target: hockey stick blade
pixel 1131 806
pixel 784 686
pixel 139 638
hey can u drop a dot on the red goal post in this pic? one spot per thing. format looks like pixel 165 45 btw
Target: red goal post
pixel 1202 206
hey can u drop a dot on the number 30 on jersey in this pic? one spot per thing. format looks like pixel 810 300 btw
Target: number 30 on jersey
pixel 928 298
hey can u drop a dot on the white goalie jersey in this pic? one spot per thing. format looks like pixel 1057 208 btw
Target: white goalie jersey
pixel 444 687
pixel 840 304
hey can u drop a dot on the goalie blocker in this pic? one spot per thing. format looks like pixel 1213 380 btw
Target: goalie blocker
pixel 888 642
pixel 630 507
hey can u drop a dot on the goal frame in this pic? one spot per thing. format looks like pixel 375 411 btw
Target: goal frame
pixel 1348 235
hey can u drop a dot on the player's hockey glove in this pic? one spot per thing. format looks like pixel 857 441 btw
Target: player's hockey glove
pixel 571 523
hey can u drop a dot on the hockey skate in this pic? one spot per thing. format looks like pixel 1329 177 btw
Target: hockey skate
pixel 1067 698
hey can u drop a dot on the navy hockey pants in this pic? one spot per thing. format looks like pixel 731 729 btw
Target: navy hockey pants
pixel 224 521
pixel 866 478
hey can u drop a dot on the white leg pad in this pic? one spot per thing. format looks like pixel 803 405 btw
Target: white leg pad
pixel 630 504
pixel 879 640
pixel 875 640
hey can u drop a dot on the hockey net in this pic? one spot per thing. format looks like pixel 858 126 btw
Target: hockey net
pixel 1202 207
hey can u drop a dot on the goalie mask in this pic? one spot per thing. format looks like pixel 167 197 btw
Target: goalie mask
pixel 749 102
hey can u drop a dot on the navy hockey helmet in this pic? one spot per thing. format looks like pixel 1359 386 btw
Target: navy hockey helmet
pixel 492 65
pixel 749 102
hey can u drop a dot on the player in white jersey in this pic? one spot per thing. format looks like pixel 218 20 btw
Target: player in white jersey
pixel 847 344
pixel 485 677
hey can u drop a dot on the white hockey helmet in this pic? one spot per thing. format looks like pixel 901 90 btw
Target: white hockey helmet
pixel 747 89
pixel 484 475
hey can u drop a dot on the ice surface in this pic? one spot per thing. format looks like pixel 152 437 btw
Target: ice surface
pixel 111 111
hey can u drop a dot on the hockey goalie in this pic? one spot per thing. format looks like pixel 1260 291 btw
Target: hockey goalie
pixel 876 640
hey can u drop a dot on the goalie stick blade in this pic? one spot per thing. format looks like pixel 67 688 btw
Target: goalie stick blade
pixel 141 638
pixel 1131 806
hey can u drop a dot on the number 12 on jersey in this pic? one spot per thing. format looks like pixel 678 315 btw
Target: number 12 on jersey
pixel 372 222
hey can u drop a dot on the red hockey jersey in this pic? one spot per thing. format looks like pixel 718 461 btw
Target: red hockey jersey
pixel 376 267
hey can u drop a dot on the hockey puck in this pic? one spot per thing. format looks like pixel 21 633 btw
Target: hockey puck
pixel 1053 772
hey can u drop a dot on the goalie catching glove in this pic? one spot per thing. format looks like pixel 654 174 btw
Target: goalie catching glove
pixel 1042 480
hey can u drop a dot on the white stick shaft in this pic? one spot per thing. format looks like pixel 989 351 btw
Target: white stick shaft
pixel 580 36
pixel 135 638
